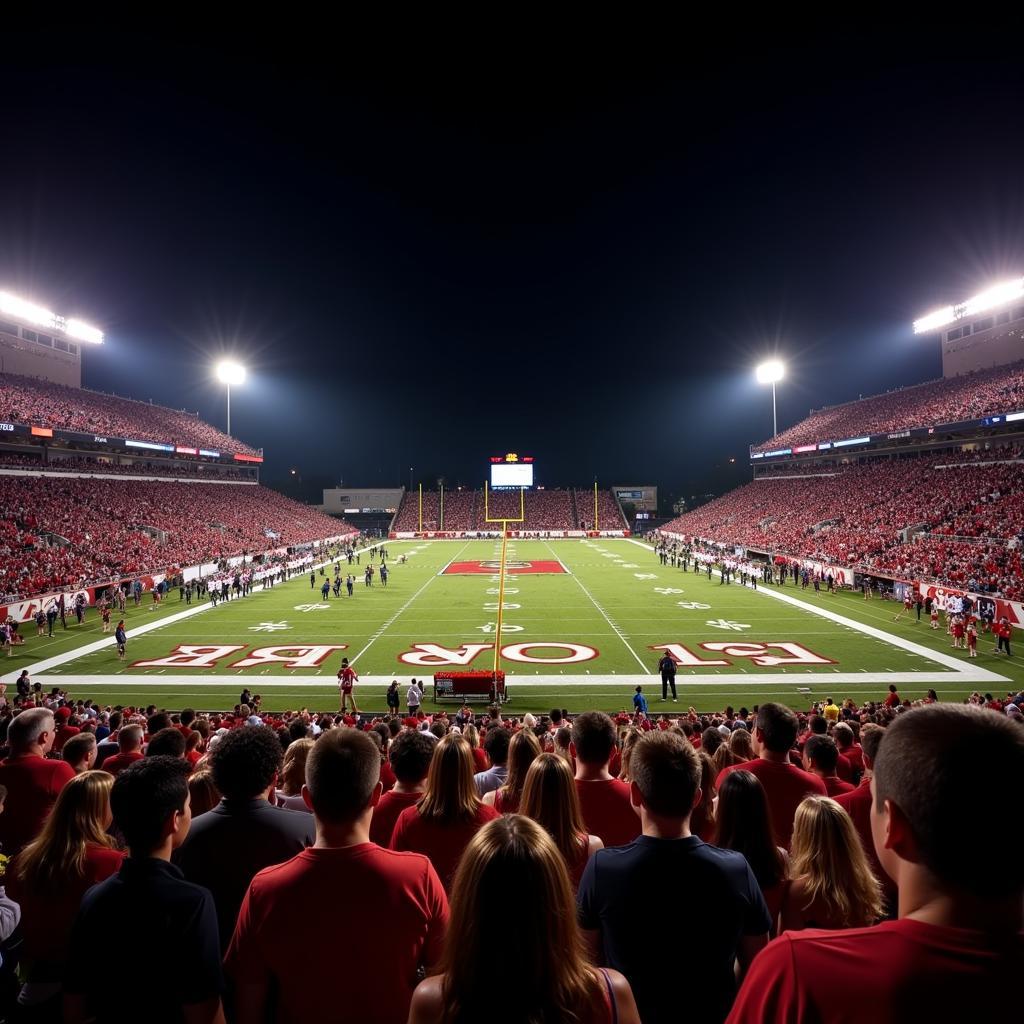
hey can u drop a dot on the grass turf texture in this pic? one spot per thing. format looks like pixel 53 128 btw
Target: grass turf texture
pixel 615 598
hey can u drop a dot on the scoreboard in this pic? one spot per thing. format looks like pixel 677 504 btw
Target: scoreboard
pixel 511 470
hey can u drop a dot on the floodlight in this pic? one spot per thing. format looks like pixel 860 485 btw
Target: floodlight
pixel 24 310
pixel 83 332
pixel 770 372
pixel 230 373
pixel 997 295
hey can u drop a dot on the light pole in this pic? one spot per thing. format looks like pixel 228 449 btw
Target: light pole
pixel 770 373
pixel 229 373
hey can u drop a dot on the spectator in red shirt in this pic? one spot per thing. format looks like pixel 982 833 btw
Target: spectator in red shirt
pixel 554 979
pixel 80 752
pixel 410 754
pixel 129 745
pixel 65 730
pixel 821 756
pixel 279 945
pixel 604 800
pixel 784 784
pixel 849 749
pixel 893 699
pixel 52 874
pixel 33 782
pixel 831 882
pixel 550 799
pixel 442 822
pixel 953 952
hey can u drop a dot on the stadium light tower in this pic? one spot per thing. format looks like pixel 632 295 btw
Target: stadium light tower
pixel 770 373
pixel 229 373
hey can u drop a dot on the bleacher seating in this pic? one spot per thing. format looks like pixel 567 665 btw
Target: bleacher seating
pixel 42 403
pixel 103 521
pixel 608 511
pixel 950 400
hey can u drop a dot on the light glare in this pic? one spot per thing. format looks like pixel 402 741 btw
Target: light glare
pixel 230 373
pixel 770 372
pixel 997 295
pixel 83 332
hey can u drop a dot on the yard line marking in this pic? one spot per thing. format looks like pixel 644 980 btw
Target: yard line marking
pixel 615 629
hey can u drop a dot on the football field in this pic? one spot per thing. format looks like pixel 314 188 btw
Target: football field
pixel 584 621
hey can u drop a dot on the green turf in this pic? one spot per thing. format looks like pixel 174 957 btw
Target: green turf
pixel 613 599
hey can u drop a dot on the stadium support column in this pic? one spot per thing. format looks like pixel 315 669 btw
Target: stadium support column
pixel 421 508
pixel 595 507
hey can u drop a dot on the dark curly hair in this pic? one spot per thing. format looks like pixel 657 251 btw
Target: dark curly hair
pixel 245 762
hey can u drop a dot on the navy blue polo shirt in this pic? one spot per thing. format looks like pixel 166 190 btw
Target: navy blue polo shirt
pixel 164 939
pixel 679 965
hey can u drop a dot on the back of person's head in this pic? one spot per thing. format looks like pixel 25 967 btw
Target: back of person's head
pixel 293 771
pixel 666 772
pixel 554 977
pixel 188 716
pixel 77 749
pixel 450 794
pixel 130 738
pixel 556 717
pixel 410 756
pixel 827 854
pixel 169 742
pixel 550 799
pixel 145 798
pixel 115 720
pixel 822 753
pixel 297 729
pixel 26 729
pixel 342 773
pixel 744 823
pixel 522 750
pixel 777 726
pixel 593 737
pixel 246 762
pixel 439 727
pixel 741 744
pixel 203 792
pixel 818 725
pixel 472 734
pixel 871 737
pixel 80 816
pixel 710 740
pixel 161 720
pixel 936 768
pixel 843 735
pixel 496 741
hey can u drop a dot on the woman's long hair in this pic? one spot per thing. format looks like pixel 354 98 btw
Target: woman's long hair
pixel 555 982
pixel 744 824
pixel 79 819
pixel 472 734
pixel 702 820
pixel 826 854
pixel 293 771
pixel 628 742
pixel 450 795
pixel 550 799
pixel 523 749
pixel 741 745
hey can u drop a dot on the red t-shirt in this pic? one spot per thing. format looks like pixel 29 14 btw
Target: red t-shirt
pixel 33 783
pixel 892 700
pixel 857 804
pixel 385 814
pixel 119 762
pixel 480 759
pixel 854 755
pixel 47 913
pixel 62 735
pixel 443 843
pixel 895 972
pixel 844 769
pixel 785 786
pixel 279 940
pixel 836 787
pixel 607 812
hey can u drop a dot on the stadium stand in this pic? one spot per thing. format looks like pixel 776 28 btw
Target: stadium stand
pixel 608 511
pixel 949 400
pixel 858 516
pixel 119 528
pixel 41 403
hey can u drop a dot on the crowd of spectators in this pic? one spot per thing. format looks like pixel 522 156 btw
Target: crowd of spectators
pixel 115 529
pixel 858 516
pixel 839 854
pixel 547 509
pixel 87 465
pixel 949 400
pixel 45 404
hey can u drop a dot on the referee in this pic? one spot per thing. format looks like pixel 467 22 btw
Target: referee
pixel 667 667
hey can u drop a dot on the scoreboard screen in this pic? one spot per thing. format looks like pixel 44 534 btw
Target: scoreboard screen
pixel 514 474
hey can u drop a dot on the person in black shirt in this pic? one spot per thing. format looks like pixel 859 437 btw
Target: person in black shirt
pixel 172 942
pixel 667 667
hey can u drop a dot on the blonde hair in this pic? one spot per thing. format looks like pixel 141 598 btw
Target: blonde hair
pixel 741 744
pixel 550 799
pixel 629 741
pixel 827 856
pixel 450 795
pixel 472 734
pixel 523 750
pixel 293 771
pixel 78 820
pixel 514 854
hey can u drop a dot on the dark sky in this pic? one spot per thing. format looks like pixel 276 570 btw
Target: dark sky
pixel 428 252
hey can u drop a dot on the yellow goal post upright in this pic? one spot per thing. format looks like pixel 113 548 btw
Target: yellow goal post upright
pixel 501 571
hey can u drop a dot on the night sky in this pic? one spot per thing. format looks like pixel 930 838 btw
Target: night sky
pixel 428 254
